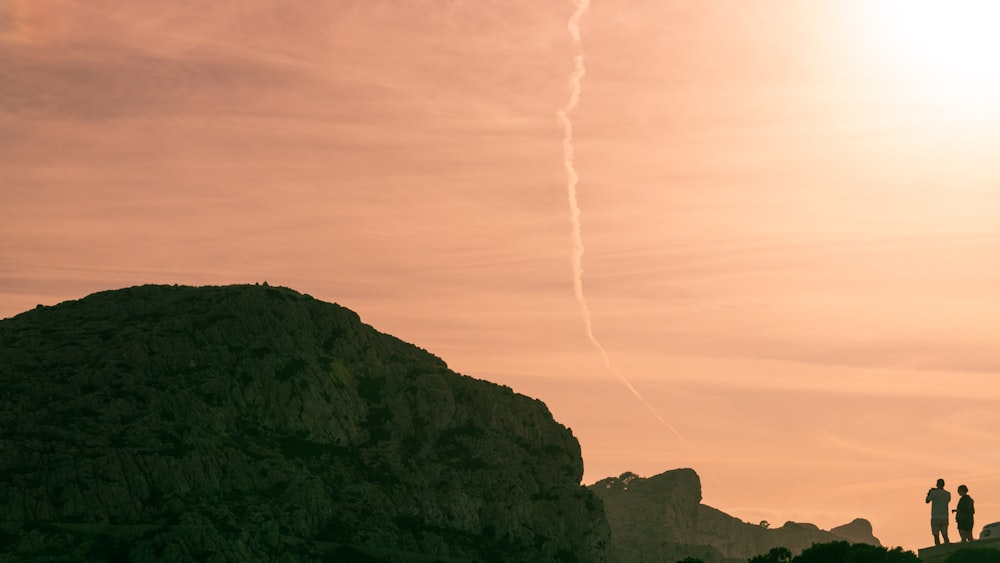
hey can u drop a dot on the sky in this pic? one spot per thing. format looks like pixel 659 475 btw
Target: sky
pixel 788 210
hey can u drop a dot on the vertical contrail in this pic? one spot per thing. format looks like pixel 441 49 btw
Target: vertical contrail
pixel 576 258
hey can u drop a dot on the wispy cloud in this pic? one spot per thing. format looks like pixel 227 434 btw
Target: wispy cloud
pixel 774 231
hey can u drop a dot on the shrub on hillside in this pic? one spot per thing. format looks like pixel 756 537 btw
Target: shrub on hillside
pixel 844 552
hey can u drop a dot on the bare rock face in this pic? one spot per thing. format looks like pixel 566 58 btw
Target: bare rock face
pixel 253 423
pixel 656 518
pixel 661 519
pixel 857 531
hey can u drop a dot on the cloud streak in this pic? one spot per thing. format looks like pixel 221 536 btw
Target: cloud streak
pixel 572 180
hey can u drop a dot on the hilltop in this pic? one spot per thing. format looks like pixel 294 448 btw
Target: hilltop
pixel 255 423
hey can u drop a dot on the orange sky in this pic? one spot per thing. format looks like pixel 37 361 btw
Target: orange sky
pixel 789 209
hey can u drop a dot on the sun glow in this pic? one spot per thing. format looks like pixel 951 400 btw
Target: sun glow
pixel 946 50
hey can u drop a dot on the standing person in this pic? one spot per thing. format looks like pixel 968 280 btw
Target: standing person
pixel 939 499
pixel 963 514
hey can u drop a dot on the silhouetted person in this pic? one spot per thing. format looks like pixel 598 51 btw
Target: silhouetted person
pixel 939 499
pixel 963 514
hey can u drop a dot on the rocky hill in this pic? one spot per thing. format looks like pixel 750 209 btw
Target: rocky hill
pixel 661 519
pixel 253 423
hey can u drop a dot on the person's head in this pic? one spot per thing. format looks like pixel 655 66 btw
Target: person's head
pixel 962 489
pixel 940 483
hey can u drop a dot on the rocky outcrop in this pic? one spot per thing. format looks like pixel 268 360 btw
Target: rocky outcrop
pixel 858 530
pixel 661 519
pixel 253 423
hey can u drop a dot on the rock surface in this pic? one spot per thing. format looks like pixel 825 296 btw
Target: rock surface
pixel 661 519
pixel 253 423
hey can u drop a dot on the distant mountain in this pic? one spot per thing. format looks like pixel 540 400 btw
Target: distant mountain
pixel 661 519
pixel 254 423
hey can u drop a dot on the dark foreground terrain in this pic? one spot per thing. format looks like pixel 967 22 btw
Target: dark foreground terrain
pixel 254 423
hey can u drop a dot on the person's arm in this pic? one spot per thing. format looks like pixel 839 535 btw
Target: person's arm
pixel 929 495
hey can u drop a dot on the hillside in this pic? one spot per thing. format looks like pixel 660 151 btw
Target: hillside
pixel 254 423
pixel 661 519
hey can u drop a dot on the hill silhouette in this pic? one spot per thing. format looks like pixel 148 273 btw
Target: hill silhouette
pixel 661 519
pixel 254 423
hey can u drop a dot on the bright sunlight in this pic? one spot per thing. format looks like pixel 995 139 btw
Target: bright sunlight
pixel 946 50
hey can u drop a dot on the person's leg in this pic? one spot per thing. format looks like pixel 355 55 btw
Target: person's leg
pixel 939 526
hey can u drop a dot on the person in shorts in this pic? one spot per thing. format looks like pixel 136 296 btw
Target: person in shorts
pixel 939 499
